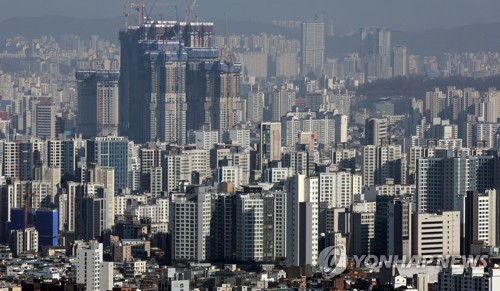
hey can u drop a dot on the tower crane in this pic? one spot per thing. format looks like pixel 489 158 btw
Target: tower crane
pixel 189 9
pixel 156 4
pixel 229 60
pixel 140 7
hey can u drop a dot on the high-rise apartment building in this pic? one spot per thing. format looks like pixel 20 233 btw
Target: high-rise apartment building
pixel 363 228
pixel 205 139
pixel 24 241
pixel 164 115
pixel 399 61
pixel 270 143
pixel 329 128
pixel 442 181
pixel 375 131
pixel 381 163
pixel 170 85
pixel 467 277
pixel 91 270
pixel 302 221
pixel 375 41
pixel 492 106
pixel 223 105
pixel 338 188
pixel 91 212
pixel 280 223
pixel 238 136
pixel 399 223
pixel 213 91
pixel 105 177
pixel 481 227
pixel 98 102
pixel 435 104
pixel 250 225
pixel 255 106
pixel 375 49
pixel 190 224
pixel 61 154
pixel 282 101
pixel 313 47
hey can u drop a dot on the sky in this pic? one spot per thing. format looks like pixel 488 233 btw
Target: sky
pixel 406 15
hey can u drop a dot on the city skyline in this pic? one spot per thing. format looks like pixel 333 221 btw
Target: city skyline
pixel 178 158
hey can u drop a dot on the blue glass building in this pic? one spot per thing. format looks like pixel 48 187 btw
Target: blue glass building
pixel 110 152
pixel 47 225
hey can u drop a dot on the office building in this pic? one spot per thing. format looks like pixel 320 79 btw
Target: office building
pixel 47 225
pixel 44 118
pixel 27 160
pixel 436 234
pixel 110 152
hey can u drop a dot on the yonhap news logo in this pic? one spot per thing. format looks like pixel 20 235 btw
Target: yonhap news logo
pixel 332 261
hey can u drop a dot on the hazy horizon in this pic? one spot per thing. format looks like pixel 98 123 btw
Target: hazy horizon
pixel 347 15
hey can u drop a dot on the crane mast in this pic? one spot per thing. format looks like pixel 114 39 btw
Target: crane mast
pixel 230 79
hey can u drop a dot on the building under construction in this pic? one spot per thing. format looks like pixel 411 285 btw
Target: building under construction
pixel 172 80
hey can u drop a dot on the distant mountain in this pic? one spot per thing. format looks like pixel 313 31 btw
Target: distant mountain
pixel 470 38
pixel 474 37
pixel 32 27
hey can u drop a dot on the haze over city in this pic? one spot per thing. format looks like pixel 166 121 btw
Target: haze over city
pixel 347 14
pixel 218 145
